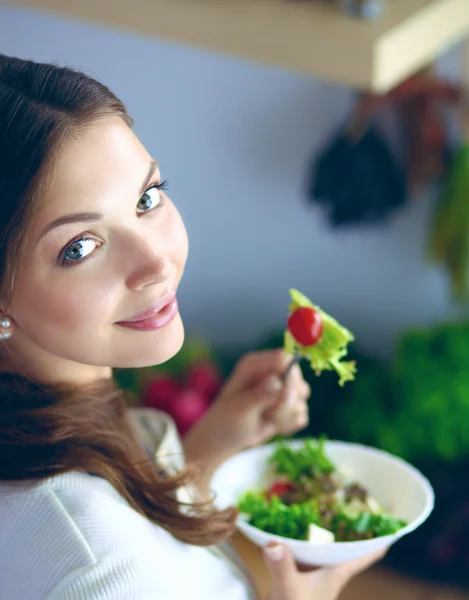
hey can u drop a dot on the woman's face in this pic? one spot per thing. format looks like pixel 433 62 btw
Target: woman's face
pixel 106 246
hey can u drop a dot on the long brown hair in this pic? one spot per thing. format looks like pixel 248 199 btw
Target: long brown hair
pixel 44 430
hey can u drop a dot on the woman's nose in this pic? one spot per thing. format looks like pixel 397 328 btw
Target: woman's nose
pixel 149 268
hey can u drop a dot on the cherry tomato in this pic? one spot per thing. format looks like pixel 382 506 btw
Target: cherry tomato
pixel 306 326
pixel 280 488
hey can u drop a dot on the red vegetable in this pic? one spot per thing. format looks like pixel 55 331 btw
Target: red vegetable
pixel 306 326
pixel 279 488
pixel 161 392
pixel 204 378
pixel 187 408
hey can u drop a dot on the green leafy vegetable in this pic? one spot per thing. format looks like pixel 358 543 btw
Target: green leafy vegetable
pixel 309 460
pixel 276 517
pixel 347 525
pixel 327 354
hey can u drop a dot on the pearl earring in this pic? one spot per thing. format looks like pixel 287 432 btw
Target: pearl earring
pixel 5 323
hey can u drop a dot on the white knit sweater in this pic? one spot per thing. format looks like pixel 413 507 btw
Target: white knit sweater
pixel 73 537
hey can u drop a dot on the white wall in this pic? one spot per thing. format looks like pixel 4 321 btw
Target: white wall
pixel 235 140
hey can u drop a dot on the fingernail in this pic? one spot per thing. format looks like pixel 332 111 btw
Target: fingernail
pixel 274 552
pixel 274 384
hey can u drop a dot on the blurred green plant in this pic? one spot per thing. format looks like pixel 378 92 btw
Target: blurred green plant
pixel 419 407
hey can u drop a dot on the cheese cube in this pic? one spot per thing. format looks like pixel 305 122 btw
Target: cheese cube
pixel 319 535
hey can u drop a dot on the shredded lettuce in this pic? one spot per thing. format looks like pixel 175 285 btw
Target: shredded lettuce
pixel 276 517
pixel 308 460
pixel 327 354
pixel 378 525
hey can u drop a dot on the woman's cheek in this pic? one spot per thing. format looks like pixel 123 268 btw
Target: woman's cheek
pixel 88 306
pixel 72 307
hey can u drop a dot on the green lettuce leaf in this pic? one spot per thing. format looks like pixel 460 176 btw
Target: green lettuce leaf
pixel 378 525
pixel 309 459
pixel 327 354
pixel 276 517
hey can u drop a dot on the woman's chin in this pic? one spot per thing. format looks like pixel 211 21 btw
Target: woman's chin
pixel 153 347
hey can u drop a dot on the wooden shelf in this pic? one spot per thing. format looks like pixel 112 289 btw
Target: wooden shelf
pixel 307 36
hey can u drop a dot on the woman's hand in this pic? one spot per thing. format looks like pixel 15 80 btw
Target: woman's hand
pixel 326 583
pixel 253 406
pixel 245 414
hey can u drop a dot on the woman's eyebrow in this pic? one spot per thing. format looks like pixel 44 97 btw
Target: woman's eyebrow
pixel 88 217
pixel 151 171
pixel 84 217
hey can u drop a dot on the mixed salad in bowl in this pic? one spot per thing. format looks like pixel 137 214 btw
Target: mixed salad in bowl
pixel 310 499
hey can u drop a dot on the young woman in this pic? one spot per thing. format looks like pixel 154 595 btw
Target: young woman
pixel 91 254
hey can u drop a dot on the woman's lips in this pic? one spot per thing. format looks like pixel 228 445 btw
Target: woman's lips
pixel 155 318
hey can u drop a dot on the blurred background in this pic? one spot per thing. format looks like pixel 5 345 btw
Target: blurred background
pixel 360 199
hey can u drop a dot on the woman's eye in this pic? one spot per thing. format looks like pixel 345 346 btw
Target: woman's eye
pixel 79 250
pixel 150 199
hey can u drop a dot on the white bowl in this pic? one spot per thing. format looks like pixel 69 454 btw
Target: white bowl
pixel 400 489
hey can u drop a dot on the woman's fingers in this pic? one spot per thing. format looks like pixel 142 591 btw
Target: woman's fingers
pixel 289 419
pixel 283 572
pixel 291 413
pixel 297 419
pixel 255 366
pixel 296 383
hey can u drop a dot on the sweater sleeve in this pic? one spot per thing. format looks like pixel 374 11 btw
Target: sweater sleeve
pixel 117 578
pixel 158 434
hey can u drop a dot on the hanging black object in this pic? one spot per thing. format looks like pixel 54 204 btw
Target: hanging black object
pixel 357 179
